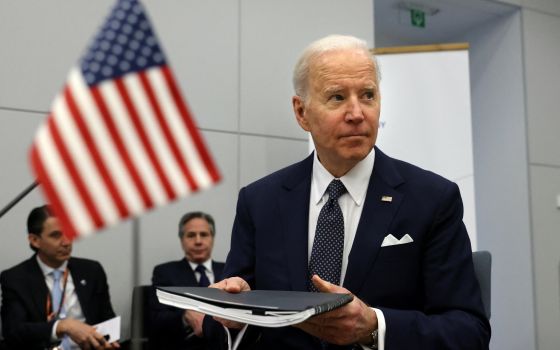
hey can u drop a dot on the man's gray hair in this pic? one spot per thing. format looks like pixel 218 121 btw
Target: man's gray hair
pixel 197 215
pixel 320 47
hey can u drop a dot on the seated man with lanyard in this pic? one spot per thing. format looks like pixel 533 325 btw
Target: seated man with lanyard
pixel 51 299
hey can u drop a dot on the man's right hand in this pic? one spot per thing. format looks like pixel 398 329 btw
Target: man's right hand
pixel 230 285
pixel 84 335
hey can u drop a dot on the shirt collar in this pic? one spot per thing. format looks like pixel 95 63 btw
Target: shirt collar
pixel 46 269
pixel 356 180
pixel 207 265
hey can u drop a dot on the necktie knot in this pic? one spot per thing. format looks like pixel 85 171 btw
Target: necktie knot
pixel 57 275
pixel 336 189
pixel 203 281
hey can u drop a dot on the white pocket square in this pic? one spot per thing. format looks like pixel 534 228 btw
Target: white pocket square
pixel 391 240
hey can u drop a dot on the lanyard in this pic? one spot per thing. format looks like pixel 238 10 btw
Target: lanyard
pixel 50 314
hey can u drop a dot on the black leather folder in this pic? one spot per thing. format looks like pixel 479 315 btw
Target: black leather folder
pixel 268 308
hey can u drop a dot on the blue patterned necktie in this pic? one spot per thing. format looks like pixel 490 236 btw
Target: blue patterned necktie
pixel 56 290
pixel 203 281
pixel 56 298
pixel 328 245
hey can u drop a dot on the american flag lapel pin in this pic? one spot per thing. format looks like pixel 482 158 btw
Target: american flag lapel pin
pixel 386 198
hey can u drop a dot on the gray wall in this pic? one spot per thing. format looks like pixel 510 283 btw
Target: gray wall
pixel 541 34
pixel 515 74
pixel 233 59
pixel 501 175
pixel 545 6
pixel 537 247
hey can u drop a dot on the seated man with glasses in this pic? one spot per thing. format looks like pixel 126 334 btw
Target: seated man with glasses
pixel 170 328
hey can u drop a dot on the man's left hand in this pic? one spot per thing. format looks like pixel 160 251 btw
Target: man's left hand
pixel 349 324
pixel 230 285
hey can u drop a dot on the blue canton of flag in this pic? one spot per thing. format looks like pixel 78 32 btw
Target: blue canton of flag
pixel 125 44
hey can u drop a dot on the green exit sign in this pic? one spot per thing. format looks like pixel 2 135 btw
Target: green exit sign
pixel 418 18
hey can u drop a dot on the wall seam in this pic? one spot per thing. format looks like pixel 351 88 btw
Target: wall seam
pixel 541 11
pixel 136 246
pixel 239 38
pixel 529 189
pixel 544 165
pixel 237 132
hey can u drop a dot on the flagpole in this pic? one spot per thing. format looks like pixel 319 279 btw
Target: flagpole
pixel 18 198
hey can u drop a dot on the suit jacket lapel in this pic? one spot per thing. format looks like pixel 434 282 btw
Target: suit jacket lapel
pixel 294 201
pixel 217 269
pixel 81 287
pixel 187 278
pixel 374 221
pixel 38 287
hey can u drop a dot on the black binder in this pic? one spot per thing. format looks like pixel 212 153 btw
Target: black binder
pixel 267 308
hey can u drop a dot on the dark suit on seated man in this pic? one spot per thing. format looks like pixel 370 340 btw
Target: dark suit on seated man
pixel 169 328
pixel 39 309
pixel 350 219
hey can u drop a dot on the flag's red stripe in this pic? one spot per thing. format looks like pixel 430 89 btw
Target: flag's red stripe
pixel 191 127
pixel 165 128
pixel 119 143
pixel 144 138
pixel 52 195
pixel 94 151
pixel 72 170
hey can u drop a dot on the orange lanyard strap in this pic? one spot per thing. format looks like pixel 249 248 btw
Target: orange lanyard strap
pixel 50 314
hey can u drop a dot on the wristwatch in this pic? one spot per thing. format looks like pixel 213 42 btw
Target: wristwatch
pixel 374 340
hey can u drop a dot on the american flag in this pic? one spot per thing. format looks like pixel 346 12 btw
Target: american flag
pixel 119 139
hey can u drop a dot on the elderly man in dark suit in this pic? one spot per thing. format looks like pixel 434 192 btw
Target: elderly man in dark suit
pixel 170 328
pixel 52 298
pixel 350 219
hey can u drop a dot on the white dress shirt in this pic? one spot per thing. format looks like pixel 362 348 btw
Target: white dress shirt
pixel 71 304
pixel 351 204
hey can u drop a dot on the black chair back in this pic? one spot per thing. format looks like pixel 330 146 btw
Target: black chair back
pixel 140 318
pixel 482 261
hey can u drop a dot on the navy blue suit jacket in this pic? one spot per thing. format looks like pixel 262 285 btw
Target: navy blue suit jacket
pixel 167 329
pixel 427 289
pixel 24 297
